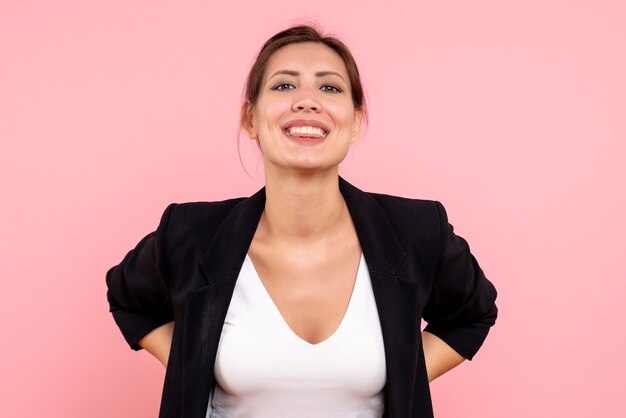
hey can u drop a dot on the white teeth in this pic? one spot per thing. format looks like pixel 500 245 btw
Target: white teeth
pixel 306 130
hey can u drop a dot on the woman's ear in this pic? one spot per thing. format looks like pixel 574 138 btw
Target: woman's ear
pixel 245 120
pixel 358 125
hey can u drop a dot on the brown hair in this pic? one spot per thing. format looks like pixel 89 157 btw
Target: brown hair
pixel 297 34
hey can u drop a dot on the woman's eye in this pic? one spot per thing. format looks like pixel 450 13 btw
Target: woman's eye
pixel 283 86
pixel 331 89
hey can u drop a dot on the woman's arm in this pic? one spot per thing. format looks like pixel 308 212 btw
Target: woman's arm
pixel 439 356
pixel 138 292
pixel 159 341
pixel 461 305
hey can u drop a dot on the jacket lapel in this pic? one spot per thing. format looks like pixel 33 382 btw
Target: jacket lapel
pixel 395 295
pixel 206 307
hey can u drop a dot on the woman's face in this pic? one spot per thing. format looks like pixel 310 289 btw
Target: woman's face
pixel 304 118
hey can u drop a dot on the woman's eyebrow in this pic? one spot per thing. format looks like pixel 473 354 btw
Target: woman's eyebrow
pixel 296 73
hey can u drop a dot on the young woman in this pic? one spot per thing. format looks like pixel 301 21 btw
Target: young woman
pixel 305 299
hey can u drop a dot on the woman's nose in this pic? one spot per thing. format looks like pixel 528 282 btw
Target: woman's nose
pixel 306 101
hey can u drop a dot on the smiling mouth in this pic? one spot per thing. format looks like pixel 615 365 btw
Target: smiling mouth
pixel 306 132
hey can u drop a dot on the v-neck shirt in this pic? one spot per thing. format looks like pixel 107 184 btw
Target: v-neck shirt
pixel 264 369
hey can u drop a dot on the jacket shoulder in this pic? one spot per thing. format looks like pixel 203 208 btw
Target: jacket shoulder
pixel 416 222
pixel 200 212
pixel 201 219
pixel 417 210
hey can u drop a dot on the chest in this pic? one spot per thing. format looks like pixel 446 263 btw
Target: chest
pixel 310 287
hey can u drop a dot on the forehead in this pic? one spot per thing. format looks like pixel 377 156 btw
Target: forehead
pixel 306 57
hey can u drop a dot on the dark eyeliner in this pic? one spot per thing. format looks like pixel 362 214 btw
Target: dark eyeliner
pixel 337 88
pixel 276 86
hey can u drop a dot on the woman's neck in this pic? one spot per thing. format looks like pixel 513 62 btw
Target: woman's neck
pixel 301 205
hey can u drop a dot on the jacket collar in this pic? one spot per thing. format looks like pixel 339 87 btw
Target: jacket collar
pixel 381 248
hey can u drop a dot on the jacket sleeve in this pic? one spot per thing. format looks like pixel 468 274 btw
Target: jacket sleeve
pixel 461 307
pixel 138 289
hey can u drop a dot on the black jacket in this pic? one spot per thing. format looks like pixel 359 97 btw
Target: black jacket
pixel 186 270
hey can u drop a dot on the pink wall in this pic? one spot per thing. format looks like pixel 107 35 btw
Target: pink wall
pixel 511 113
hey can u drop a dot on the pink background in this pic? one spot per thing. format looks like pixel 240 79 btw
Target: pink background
pixel 512 113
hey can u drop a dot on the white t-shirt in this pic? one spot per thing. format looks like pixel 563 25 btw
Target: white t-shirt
pixel 264 370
